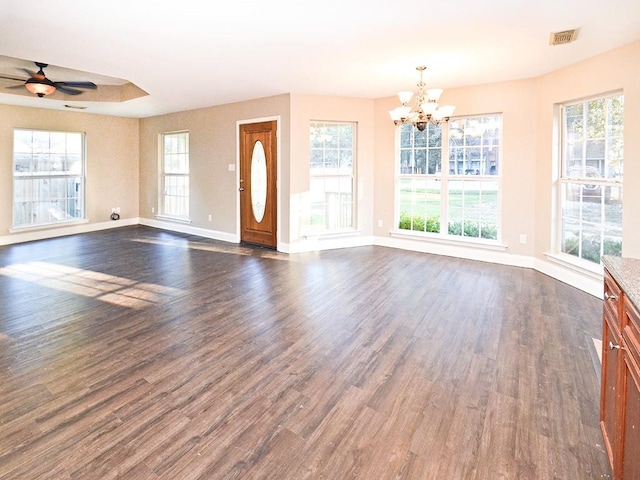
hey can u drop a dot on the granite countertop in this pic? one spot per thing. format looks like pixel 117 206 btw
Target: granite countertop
pixel 625 271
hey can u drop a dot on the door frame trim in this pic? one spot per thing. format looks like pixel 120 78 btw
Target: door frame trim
pixel 278 169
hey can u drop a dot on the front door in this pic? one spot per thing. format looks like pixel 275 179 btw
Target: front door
pixel 258 193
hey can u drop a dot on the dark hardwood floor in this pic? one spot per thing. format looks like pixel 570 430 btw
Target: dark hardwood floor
pixel 141 354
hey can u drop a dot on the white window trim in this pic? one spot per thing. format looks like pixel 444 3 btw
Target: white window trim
pixel 443 237
pixel 62 223
pixel 353 229
pixel 556 255
pixel 184 219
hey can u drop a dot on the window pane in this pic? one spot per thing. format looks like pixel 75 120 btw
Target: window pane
pixel 175 165
pixel 419 203
pixel 48 182
pixel 590 182
pixel 331 172
pixel 473 208
pixel 473 152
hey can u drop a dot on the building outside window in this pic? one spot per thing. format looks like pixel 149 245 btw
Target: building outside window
pixel 463 198
pixel 590 206
pixel 48 177
pixel 174 180
pixel 331 176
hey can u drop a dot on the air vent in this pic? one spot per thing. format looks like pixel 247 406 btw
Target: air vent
pixel 561 38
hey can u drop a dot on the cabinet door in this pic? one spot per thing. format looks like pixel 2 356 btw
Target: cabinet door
pixel 631 429
pixel 609 392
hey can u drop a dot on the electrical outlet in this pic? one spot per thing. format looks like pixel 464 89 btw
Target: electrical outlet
pixel 153 209
pixel 118 210
pixel 379 223
pixel 113 210
pixel 209 217
pixel 523 238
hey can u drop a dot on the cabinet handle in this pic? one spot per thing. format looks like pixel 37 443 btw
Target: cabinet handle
pixel 612 346
pixel 608 296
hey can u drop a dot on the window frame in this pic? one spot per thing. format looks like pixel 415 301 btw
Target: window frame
pixel 79 186
pixel 447 179
pixel 612 185
pixel 336 176
pixel 183 214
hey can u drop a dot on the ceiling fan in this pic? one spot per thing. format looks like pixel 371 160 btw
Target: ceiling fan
pixel 40 85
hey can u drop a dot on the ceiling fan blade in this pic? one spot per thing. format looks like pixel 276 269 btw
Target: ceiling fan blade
pixel 64 89
pixel 87 85
pixel 33 74
pixel 15 87
pixel 7 77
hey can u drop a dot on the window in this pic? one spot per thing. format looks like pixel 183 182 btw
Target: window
pixel 48 177
pixel 591 178
pixel 463 199
pixel 175 175
pixel 331 176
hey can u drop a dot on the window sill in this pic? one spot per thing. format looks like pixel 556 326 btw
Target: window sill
pixel 584 267
pixel 449 240
pixel 169 218
pixel 47 226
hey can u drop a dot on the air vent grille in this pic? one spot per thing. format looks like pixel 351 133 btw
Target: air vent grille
pixel 561 38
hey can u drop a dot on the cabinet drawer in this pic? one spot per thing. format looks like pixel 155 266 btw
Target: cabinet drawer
pixel 612 299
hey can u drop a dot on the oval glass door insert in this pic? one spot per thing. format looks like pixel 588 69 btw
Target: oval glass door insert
pixel 258 181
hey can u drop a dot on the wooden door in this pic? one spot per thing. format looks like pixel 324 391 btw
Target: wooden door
pixel 258 180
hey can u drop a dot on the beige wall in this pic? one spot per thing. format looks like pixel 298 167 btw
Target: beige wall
pixel 515 100
pixel 212 144
pixel 611 71
pixel 528 147
pixel 123 154
pixel 112 159
pixel 307 108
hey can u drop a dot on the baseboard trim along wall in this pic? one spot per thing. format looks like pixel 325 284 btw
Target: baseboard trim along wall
pixel 591 284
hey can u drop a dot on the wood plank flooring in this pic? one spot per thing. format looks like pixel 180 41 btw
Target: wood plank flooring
pixel 136 353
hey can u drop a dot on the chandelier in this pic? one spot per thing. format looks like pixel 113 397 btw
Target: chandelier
pixel 425 107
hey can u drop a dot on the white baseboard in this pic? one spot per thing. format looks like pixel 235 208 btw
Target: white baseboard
pixel 185 228
pixel 319 243
pixel 458 251
pixel 588 283
pixel 62 231
pixel 591 284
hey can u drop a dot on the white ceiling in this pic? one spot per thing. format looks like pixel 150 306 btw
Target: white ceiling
pixel 190 54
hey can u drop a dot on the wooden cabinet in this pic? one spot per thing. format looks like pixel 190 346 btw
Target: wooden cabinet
pixel 620 390
pixel 630 395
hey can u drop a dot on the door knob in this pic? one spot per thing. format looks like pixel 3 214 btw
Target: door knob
pixel 241 189
pixel 612 346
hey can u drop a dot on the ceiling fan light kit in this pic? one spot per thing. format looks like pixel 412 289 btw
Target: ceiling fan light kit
pixel 40 85
pixel 425 109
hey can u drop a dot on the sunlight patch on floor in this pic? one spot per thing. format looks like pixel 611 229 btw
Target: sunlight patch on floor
pixel 598 344
pixel 101 286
